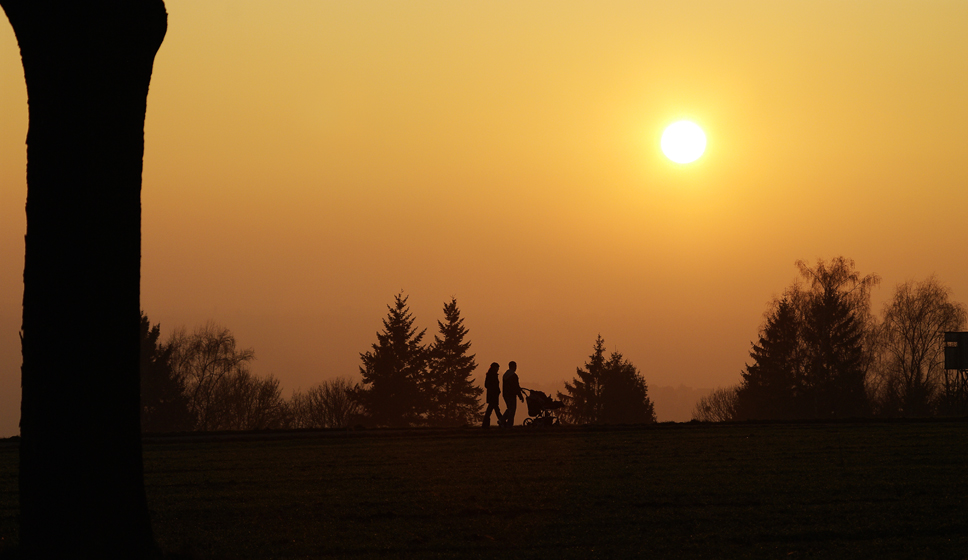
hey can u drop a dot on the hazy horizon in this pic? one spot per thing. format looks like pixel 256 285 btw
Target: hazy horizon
pixel 306 161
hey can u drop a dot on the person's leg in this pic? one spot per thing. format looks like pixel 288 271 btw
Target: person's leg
pixel 509 413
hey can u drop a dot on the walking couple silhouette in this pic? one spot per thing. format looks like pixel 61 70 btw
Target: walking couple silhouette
pixel 512 394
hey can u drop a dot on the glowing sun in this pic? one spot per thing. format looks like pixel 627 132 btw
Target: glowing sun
pixel 683 142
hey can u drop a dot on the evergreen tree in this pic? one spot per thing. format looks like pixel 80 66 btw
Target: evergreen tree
pixel 582 398
pixel 815 351
pixel 772 383
pixel 453 398
pixel 607 391
pixel 625 395
pixel 838 335
pixel 835 358
pixel 394 370
pixel 164 406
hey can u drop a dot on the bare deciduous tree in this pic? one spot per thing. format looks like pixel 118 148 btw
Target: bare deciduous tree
pixel 327 405
pixel 249 402
pixel 205 359
pixel 222 393
pixel 718 406
pixel 912 350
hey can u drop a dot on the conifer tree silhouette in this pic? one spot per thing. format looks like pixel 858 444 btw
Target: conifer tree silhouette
pixel 582 398
pixel 607 391
pixel 164 405
pixel 453 397
pixel 394 370
pixel 625 395
pixel 772 385
pixel 816 350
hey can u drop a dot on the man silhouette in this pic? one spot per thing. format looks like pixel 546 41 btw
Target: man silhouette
pixel 512 390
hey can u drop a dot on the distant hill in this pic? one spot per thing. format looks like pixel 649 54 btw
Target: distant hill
pixel 675 404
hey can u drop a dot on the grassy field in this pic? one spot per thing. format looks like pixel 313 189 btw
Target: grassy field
pixel 844 490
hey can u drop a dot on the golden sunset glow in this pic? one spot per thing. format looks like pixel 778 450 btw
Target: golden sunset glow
pixel 305 161
pixel 683 142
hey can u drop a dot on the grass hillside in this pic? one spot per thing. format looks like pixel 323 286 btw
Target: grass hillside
pixel 843 490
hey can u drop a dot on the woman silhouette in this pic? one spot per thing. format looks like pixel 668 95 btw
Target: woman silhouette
pixel 493 387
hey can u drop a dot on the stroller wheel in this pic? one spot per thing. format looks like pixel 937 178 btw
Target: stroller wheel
pixel 528 422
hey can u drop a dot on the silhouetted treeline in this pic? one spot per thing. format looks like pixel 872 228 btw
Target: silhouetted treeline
pixel 607 391
pixel 823 354
pixel 201 381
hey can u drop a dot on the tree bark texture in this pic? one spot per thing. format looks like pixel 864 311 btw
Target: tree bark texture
pixel 87 65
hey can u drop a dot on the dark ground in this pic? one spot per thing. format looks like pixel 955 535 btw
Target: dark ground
pixel 810 490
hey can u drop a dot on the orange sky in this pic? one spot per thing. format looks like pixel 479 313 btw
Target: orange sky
pixel 305 161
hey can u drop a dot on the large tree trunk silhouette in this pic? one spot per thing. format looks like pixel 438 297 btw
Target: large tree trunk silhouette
pixel 87 66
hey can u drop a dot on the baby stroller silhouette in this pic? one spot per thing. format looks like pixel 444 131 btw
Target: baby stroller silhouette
pixel 541 409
